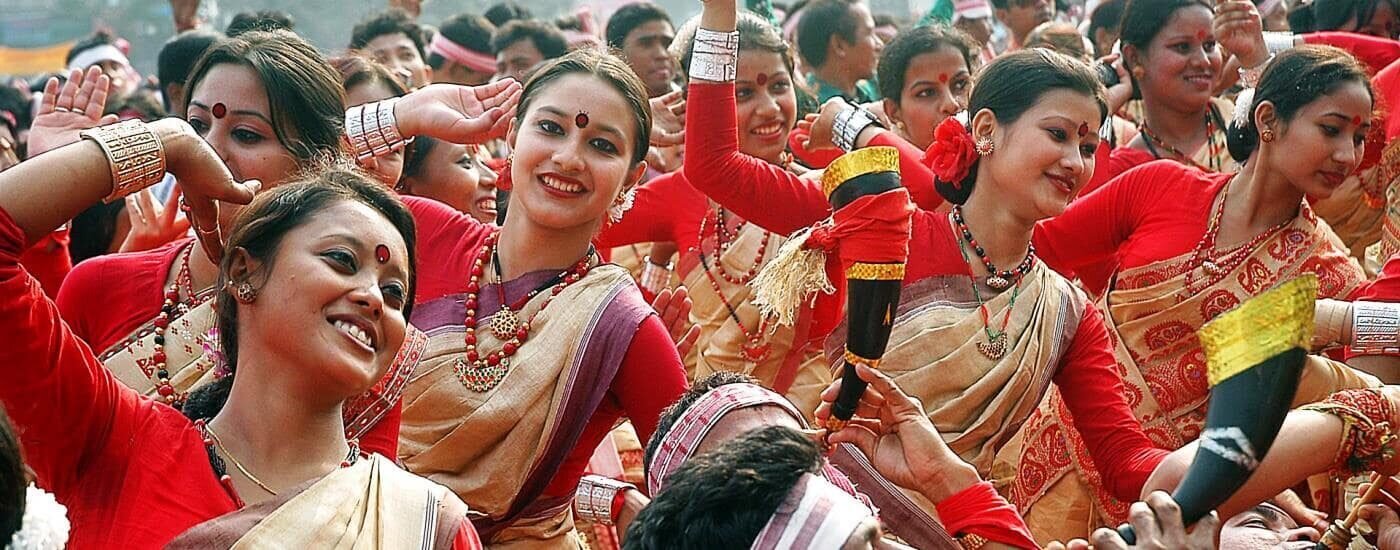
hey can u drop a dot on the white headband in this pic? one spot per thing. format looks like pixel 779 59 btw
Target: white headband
pixel 816 515
pixel 98 54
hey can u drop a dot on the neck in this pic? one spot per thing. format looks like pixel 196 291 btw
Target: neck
pixel 524 247
pixel 283 440
pixel 1004 236
pixel 1174 126
pixel 1259 199
pixel 838 75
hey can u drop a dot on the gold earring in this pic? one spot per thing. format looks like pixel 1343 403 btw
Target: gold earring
pixel 985 146
pixel 1267 135
pixel 245 293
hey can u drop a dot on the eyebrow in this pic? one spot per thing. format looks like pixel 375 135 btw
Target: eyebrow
pixel 357 243
pixel 925 82
pixel 244 112
pixel 1365 122
pixel 601 125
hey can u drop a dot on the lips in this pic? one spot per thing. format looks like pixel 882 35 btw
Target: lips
pixel 561 185
pixel 1200 81
pixel 487 205
pixel 770 130
pixel 357 330
pixel 1064 183
pixel 1333 179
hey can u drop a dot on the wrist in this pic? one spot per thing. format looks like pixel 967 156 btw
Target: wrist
pixel 944 476
pixel 405 115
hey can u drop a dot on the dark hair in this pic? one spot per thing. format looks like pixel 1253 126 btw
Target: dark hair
pixel 92 231
pixel 910 43
pixel 179 55
pixel 1108 15
pixel 259 230
pixel 755 34
pixel 261 20
pixel 629 17
pixel 820 21
pixel 416 155
pixel 99 38
pixel 12 479
pixel 546 37
pixel 303 91
pixel 141 103
pixel 1329 15
pixel 394 21
pixel 18 104
pixel 504 12
pixel 724 498
pixel 674 411
pixel 1143 20
pixel 608 68
pixel 886 20
pixel 470 30
pixel 357 70
pixel 1294 79
pixel 1015 82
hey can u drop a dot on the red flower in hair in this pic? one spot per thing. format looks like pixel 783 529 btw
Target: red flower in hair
pixel 952 153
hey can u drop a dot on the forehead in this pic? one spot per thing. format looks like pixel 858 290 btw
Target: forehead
pixel 238 87
pixel 1075 106
pixel 929 66
pixel 1350 100
pixel 357 219
pixel 367 91
pixel 392 41
pixel 1187 21
pixel 523 47
pixel 650 29
pixel 582 92
pixel 753 62
pixel 864 19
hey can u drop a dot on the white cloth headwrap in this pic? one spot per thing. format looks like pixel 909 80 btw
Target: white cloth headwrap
pixel 816 515
pixel 98 54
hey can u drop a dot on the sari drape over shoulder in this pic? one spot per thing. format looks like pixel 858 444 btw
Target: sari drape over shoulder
pixel 370 505
pixel 499 450
pixel 1154 319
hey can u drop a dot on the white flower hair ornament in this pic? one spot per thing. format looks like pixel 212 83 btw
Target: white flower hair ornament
pixel 45 525
pixel 622 205
pixel 1244 108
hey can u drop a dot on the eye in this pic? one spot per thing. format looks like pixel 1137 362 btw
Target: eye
pixel 394 295
pixel 1059 134
pixel 342 258
pixel 603 145
pixel 1180 48
pixel 200 127
pixel 1330 130
pixel 926 92
pixel 781 86
pixel 467 162
pixel 1088 149
pixel 550 127
pixel 247 136
pixel 1208 46
pixel 743 93
pixel 961 85
pixel 1359 139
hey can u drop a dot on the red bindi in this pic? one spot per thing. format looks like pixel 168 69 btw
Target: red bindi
pixel 762 79
pixel 1200 35
pixel 1356 120
pixel 381 253
pixel 1083 129
pixel 943 77
pixel 581 120
pixel 219 110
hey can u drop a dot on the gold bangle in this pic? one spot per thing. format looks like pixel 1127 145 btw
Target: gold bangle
pixel 858 360
pixel 861 271
pixel 136 156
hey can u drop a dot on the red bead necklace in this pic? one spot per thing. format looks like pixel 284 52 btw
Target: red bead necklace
pixel 481 374
pixel 1204 253
pixel 755 347
pixel 169 309
pixel 997 279
pixel 722 242
pixel 1213 149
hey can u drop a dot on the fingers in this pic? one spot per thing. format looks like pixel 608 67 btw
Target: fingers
pixel 50 98
pixel 1143 519
pixel 69 91
pixel 89 84
pixel 1167 514
pixel 1105 538
pixel 171 209
pixel 1203 532
pixel 497 94
pixel 687 342
pixel 662 138
pixel 97 102
pixel 857 435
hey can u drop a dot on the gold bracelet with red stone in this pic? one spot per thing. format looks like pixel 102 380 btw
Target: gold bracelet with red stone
pixel 722 245
pixel 168 309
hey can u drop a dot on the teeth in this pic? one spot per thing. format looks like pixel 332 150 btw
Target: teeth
pixel 355 332
pixel 555 183
pixel 768 129
pixel 486 204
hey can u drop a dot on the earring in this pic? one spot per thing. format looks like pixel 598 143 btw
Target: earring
pixel 245 293
pixel 1267 135
pixel 621 205
pixel 985 146
pixel 1139 72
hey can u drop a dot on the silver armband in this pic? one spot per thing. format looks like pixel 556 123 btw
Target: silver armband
pixel 848 125
pixel 1278 42
pixel 595 496
pixel 654 277
pixel 715 56
pixel 372 130
pixel 1375 328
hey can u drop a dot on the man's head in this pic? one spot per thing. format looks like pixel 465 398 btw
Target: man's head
pixel 396 41
pixel 460 52
pixel 839 34
pixel 1022 16
pixel 521 45
pixel 642 33
pixel 100 49
pixel 1265 526
pixel 504 12
pixel 173 65
pixel 1103 26
pixel 261 20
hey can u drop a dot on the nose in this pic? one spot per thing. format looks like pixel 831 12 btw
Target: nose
pixel 1302 533
pixel 569 158
pixel 218 140
pixel 1347 154
pixel 1074 162
pixel 487 179
pixel 950 105
pixel 369 299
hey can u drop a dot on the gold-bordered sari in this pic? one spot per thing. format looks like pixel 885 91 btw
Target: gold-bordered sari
pixel 370 505
pixel 1056 487
pixel 499 450
pixel 798 371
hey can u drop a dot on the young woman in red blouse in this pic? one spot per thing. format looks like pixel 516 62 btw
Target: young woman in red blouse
pixel 536 348
pixel 118 303
pixel 313 297
pixel 978 346
pixel 1190 245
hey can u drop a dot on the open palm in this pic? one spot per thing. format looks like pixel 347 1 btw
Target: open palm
pixel 64 112
pixel 459 114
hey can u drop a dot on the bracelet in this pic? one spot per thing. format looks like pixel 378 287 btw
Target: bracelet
pixel 848 126
pixel 1366 429
pixel 972 542
pixel 372 130
pixel 1375 328
pixel 1249 77
pixel 598 499
pixel 715 56
pixel 136 155
pixel 1278 42
pixel 655 277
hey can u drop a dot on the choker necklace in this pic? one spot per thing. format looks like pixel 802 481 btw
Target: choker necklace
pixel 482 374
pixel 998 280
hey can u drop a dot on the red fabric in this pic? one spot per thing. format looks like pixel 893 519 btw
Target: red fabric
pixel 979 510
pixel 48 261
pixel 1387 89
pixel 651 376
pixel 916 177
pixel 1374 52
pixel 871 229
pixel 817 159
pixel 106 298
pixel 665 209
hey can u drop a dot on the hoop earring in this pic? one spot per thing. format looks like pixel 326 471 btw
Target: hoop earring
pixel 985 147
pixel 1267 135
pixel 245 293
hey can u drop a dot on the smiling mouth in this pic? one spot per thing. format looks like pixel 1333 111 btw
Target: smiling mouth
pixel 486 205
pixel 355 333
pixel 562 186
pixel 768 130
pixel 1062 183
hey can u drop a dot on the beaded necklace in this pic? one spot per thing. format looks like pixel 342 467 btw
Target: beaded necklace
pixel 212 442
pixel 755 348
pixel 995 346
pixel 1213 148
pixel 171 308
pixel 997 279
pixel 480 374
pixel 1204 253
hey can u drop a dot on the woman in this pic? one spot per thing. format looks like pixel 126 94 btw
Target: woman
pixel 979 357
pixel 927 78
pixel 720 252
pixel 536 350
pixel 453 174
pixel 1190 245
pixel 136 473
pixel 270 106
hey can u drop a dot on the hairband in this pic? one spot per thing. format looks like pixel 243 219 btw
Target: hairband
pixel 696 422
pixel 815 515
pixel 98 54
pixel 474 60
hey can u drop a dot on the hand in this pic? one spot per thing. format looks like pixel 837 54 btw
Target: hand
pixel 674 308
pixel 893 431
pixel 632 503
pixel 459 114
pixel 153 225
pixel 185 13
pixel 204 180
pixel 1290 503
pixel 1157 524
pixel 8 157
pixel 64 113
pixel 819 125
pixel 1122 92
pixel 668 120
pixel 1239 29
pixel 1381 514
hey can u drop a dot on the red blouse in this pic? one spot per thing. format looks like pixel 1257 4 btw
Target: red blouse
pixel 651 376
pixel 105 299
pixel 133 473
pixel 777 200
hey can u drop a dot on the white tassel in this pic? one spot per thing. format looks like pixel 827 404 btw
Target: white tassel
pixel 793 278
